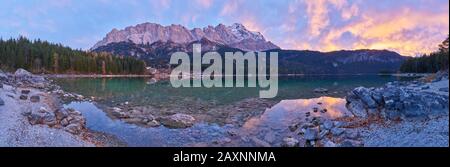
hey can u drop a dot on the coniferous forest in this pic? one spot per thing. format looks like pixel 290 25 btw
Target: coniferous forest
pixel 44 57
pixel 430 63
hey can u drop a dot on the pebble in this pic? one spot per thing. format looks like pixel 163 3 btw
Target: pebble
pixel 35 99
pixel 23 97
pixel 315 109
pixel 25 92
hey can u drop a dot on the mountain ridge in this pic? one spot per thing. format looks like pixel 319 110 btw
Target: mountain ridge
pixel 235 35
pixel 158 54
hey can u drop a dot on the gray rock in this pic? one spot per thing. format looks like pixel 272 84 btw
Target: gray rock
pixel 366 96
pixel 320 90
pixel 290 142
pixel 178 121
pixel 2 103
pixel 25 91
pixel 23 97
pixel 64 122
pixel 425 87
pixel 74 129
pixel 3 76
pixel 35 99
pixel 351 134
pixel 356 107
pixel 337 131
pixel 21 73
pixel 323 133
pixel 311 133
pixel 293 127
pixel 61 114
pixel 328 124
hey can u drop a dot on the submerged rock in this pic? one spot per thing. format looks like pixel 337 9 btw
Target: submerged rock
pixel 320 90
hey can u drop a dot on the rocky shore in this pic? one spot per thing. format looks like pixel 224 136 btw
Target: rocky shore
pixel 400 114
pixel 31 114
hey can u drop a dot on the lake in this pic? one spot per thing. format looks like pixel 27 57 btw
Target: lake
pixel 219 111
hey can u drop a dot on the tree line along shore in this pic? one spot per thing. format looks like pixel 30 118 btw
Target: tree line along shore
pixel 48 58
pixel 42 57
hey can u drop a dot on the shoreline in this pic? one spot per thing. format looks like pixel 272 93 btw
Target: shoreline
pixel 357 131
pixel 281 75
pixel 31 110
pixel 93 76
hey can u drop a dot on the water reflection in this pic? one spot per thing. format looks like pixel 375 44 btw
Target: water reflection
pixel 277 119
pixel 271 126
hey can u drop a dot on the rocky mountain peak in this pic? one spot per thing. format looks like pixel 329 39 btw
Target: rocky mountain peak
pixel 235 35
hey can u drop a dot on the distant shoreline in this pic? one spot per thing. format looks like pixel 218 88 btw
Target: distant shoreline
pixel 93 76
pixel 283 75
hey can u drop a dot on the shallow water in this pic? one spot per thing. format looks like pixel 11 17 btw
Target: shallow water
pixel 271 126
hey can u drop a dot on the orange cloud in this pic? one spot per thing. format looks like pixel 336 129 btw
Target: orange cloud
pixel 405 31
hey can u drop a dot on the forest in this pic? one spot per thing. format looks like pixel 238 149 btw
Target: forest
pixel 428 63
pixel 44 57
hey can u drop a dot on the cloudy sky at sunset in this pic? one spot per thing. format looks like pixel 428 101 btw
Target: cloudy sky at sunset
pixel 406 26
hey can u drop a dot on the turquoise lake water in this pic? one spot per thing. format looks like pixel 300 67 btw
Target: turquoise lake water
pixel 143 91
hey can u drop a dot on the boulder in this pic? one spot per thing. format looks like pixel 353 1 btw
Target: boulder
pixel 21 73
pixel 42 116
pixel 178 121
pixel 25 76
pixel 366 96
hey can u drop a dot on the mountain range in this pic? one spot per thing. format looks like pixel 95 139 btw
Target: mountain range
pixel 236 36
pixel 154 44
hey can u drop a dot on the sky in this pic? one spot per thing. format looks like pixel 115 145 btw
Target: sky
pixel 409 27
